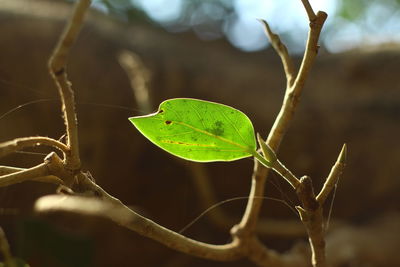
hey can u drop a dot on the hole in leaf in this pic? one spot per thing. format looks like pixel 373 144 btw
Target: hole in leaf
pixel 168 122
pixel 161 111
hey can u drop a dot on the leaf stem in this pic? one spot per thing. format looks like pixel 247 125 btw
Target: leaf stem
pixel 262 160
pixel 279 168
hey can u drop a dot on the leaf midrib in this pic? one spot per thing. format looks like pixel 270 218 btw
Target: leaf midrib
pixel 246 149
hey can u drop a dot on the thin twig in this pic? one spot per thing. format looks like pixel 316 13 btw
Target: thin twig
pixel 286 173
pixel 125 217
pixel 223 220
pixel 139 77
pixel 282 51
pixel 281 124
pixel 57 65
pixel 52 170
pixel 244 243
pixel 25 175
pixel 113 209
pixel 309 10
pixel 333 176
pixel 45 179
pixel 7 170
pixel 310 52
pixel 293 93
pixel 21 143
pixel 262 256
pixel 218 204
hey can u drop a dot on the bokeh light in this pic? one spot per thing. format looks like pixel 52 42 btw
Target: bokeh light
pixel 349 25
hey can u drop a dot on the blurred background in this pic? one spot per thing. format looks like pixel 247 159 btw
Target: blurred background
pixel 350 24
pixel 217 51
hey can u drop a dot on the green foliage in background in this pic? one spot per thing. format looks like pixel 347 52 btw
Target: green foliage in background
pixel 355 9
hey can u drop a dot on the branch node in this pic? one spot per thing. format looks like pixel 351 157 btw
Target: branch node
pixel 309 10
pixel 57 168
pixel 305 192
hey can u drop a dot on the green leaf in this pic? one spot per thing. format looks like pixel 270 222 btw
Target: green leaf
pixel 199 130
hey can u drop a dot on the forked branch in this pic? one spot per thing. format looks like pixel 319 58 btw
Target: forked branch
pixel 309 10
pixel 57 67
pixel 245 242
pixel 282 121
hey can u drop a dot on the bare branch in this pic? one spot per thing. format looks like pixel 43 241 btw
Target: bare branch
pixel 25 175
pixel 139 77
pixel 125 217
pixel 310 52
pixel 122 215
pixel 51 170
pixel 286 174
pixel 281 124
pixel 245 242
pixel 59 57
pixel 7 170
pixel 220 218
pixel 309 10
pixel 292 94
pixel 21 143
pixel 333 176
pixel 282 51
pixel 311 214
pixel 57 65
pixel 263 256
pixel 45 179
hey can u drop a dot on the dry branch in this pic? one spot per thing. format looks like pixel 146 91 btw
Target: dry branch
pixel 245 242
pixel 281 124
pixel 57 67
pixel 282 51
pixel 125 217
pixel 333 176
pixel 139 77
pixel 51 170
pixel 25 175
pixel 21 143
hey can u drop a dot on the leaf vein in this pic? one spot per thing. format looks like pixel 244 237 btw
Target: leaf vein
pixel 234 126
